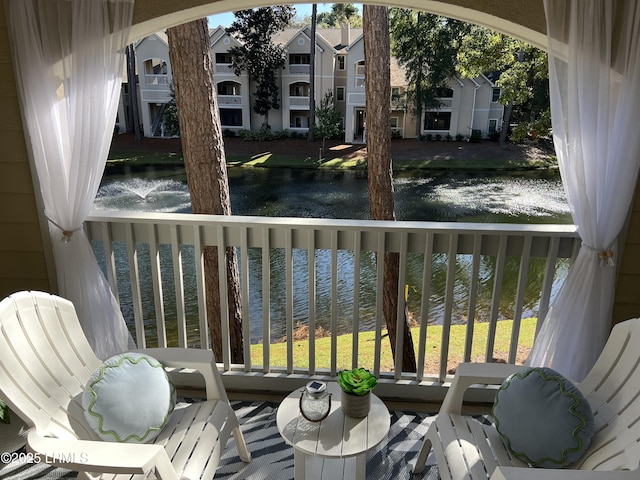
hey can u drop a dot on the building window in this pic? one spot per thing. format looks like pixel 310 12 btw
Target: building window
pixel 340 94
pixel 299 90
pixel 437 120
pixel 495 95
pixel 223 57
pixel 395 93
pixel 299 121
pixel 444 92
pixel 299 59
pixel 341 62
pixel 228 88
pixel 393 122
pixel 231 117
pixel 493 125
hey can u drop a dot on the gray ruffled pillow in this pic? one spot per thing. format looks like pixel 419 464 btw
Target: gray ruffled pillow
pixel 543 418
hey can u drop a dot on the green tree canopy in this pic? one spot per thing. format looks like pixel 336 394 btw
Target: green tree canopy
pixel 258 55
pixel 328 119
pixel 170 114
pixel 426 45
pixel 523 75
pixel 340 12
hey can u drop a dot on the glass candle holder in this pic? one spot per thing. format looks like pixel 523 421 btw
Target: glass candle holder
pixel 315 401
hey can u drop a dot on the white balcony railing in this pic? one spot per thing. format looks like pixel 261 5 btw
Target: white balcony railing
pixel 224 68
pixel 299 69
pixel 299 101
pixel 326 276
pixel 157 80
pixel 229 99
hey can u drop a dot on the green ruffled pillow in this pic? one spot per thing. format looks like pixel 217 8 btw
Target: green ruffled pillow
pixel 543 418
pixel 128 399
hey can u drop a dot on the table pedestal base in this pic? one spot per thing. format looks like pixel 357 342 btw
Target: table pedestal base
pixel 311 467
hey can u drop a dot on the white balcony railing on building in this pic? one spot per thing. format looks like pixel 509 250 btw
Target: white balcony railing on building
pixel 299 101
pixel 157 79
pixel 229 99
pixel 299 69
pixel 300 274
pixel 224 68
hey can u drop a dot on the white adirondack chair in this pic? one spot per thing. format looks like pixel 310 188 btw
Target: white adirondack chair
pixel 45 361
pixel 466 449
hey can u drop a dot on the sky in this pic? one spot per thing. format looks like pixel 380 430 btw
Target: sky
pixel 225 19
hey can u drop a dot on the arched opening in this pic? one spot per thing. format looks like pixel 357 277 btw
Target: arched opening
pixel 523 19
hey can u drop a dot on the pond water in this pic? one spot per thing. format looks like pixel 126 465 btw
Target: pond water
pixel 520 197
pixel 517 197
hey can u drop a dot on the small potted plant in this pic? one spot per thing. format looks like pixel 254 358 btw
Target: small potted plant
pixel 356 388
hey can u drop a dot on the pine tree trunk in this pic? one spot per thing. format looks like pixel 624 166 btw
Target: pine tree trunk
pixel 206 168
pixel 381 202
pixel 502 139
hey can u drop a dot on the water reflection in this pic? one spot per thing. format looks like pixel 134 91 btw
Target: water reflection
pixel 519 198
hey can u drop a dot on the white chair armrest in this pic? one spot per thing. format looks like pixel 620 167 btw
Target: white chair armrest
pixel 468 374
pixel 513 473
pixel 194 358
pixel 101 457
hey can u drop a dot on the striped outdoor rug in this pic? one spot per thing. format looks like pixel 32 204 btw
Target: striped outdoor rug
pixel 272 459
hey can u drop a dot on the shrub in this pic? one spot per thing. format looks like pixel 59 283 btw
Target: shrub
pixel 227 132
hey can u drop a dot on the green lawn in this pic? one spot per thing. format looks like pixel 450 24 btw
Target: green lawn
pixel 366 342
pixel 270 160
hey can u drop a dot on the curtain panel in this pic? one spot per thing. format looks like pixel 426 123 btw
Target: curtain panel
pixel 594 73
pixel 69 63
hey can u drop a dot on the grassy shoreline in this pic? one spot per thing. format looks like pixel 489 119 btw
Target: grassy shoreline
pixel 366 347
pixel 129 159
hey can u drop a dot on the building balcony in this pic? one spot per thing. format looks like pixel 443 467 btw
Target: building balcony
pixel 229 99
pixel 224 68
pixel 299 101
pixel 300 69
pixel 159 80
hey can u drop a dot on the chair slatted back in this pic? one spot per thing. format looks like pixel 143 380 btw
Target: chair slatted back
pixel 613 391
pixel 45 361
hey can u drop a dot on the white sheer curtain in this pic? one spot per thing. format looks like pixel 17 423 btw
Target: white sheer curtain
pixel 69 61
pixel 594 76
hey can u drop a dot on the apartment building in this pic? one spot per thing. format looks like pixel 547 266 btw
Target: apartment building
pixel 467 105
